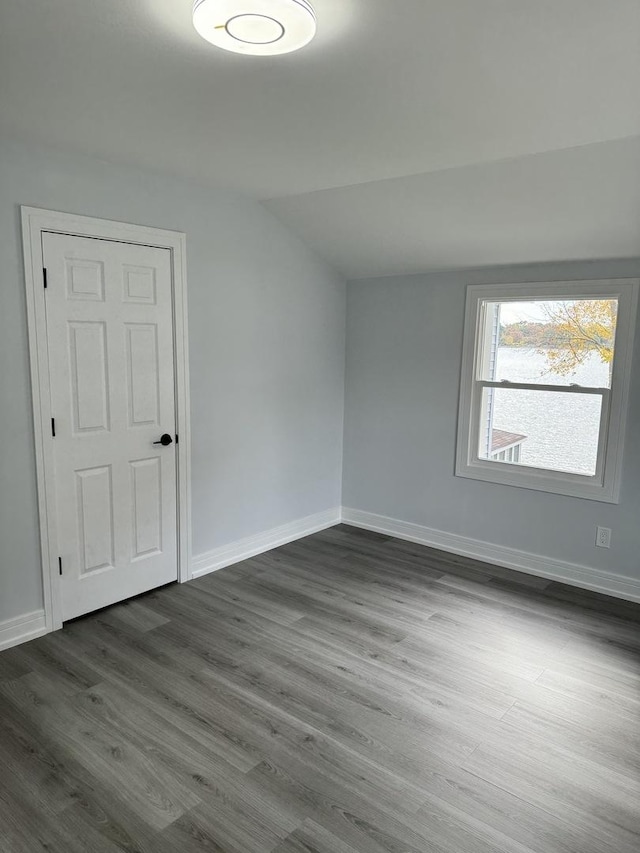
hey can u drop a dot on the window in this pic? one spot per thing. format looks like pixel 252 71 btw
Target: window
pixel 544 386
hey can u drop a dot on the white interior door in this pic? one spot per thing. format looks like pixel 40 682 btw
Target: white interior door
pixel 111 356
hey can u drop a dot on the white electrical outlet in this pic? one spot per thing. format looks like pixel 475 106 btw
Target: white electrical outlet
pixel 603 537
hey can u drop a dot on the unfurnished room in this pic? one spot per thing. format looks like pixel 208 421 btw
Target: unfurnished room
pixel 320 414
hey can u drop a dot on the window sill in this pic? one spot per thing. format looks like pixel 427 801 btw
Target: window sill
pixel 552 482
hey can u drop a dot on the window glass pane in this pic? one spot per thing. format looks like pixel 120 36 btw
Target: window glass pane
pixel 552 342
pixel 546 429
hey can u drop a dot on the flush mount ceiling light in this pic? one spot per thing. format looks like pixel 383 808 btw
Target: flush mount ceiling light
pixel 258 27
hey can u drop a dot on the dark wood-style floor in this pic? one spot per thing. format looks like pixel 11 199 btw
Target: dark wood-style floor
pixel 346 693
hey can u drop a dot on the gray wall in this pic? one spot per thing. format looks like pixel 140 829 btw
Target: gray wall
pixel 266 320
pixel 404 339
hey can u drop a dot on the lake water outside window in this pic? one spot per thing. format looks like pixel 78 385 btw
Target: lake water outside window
pixel 565 343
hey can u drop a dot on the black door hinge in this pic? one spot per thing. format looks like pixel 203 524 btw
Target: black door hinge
pixel 176 438
pixel 53 427
pixel 60 565
pixel 44 277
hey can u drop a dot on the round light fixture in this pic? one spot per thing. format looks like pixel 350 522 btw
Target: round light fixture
pixel 258 27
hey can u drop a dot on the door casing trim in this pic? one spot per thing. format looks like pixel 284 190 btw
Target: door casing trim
pixel 35 221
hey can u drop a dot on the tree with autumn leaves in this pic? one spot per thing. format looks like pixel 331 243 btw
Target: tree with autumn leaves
pixel 571 331
pixel 580 327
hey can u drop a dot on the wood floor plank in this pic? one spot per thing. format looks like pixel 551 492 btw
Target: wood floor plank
pixel 138 616
pixel 115 760
pixel 619 694
pixel 14 663
pixel 613 748
pixel 29 759
pixel 345 693
pixel 313 838
pixel 50 661
pixel 602 801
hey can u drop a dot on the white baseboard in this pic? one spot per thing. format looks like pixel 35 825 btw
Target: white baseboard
pixel 573 574
pixel 22 628
pixel 242 549
pixel 28 626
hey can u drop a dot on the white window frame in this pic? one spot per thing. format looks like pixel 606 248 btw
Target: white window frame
pixel 605 484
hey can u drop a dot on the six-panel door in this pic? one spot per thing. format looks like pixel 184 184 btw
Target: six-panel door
pixel 110 335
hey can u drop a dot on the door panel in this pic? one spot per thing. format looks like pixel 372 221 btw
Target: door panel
pixel 88 363
pixel 95 519
pixel 110 333
pixel 142 374
pixel 84 279
pixel 146 504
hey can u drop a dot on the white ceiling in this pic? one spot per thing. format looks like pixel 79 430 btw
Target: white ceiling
pixel 400 89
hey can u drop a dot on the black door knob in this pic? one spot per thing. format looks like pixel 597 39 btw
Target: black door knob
pixel 164 440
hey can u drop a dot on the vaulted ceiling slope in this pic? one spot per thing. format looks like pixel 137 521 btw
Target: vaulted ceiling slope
pixel 579 203
pixel 475 121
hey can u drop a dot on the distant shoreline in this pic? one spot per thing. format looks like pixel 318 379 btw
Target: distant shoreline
pixel 534 346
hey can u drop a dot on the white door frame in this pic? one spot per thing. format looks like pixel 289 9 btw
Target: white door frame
pixel 34 222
